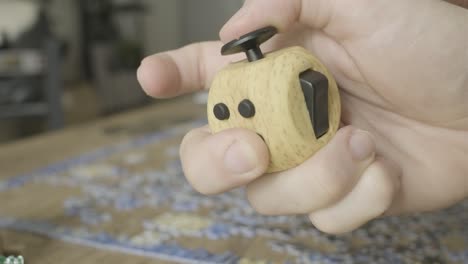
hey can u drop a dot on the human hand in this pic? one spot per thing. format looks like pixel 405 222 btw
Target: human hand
pixel 402 68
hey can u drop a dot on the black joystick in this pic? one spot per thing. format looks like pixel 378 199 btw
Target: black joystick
pixel 250 43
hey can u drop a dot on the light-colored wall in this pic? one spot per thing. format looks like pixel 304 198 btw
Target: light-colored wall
pixel 204 18
pixel 15 17
pixel 163 25
pixel 169 24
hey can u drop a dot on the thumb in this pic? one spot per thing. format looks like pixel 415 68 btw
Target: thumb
pixel 281 14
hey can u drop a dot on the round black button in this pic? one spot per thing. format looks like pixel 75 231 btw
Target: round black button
pixel 246 108
pixel 221 111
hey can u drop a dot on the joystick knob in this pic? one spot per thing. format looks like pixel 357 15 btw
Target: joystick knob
pixel 250 43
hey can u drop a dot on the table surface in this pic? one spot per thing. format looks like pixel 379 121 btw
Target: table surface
pixel 23 156
pixel 33 153
pixel 230 225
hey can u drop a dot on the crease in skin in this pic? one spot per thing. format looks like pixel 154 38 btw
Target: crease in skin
pixel 361 77
pixel 362 119
pixel 377 33
pixel 418 130
pixel 345 68
pixel 396 25
pixel 458 123
pixel 201 70
pixel 391 106
pixel 346 91
pixel 323 14
pixel 179 80
pixel 421 27
pixel 368 83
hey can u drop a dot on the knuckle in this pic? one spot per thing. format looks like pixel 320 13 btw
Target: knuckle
pixel 186 140
pixel 382 186
pixel 191 138
pixel 202 189
pixel 256 203
pixel 325 225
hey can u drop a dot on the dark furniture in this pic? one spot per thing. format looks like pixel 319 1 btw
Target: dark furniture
pixel 112 36
pixel 30 74
pixel 31 83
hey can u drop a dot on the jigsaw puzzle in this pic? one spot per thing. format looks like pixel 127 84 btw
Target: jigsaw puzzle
pixel 132 197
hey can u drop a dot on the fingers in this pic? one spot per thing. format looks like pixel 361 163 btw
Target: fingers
pixel 371 197
pixel 215 163
pixel 181 71
pixel 319 182
pixel 279 13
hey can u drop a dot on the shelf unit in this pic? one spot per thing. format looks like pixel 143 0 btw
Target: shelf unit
pixel 112 49
pixel 48 71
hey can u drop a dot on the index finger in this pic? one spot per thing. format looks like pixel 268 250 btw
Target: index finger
pixel 180 71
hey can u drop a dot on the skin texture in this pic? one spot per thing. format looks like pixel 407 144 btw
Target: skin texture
pixel 402 68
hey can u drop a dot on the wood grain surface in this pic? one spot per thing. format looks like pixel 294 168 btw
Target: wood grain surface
pixel 281 115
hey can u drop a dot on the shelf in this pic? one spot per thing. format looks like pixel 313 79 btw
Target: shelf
pixel 20 62
pixel 18 74
pixel 24 109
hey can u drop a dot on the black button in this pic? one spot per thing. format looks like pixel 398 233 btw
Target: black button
pixel 246 108
pixel 221 111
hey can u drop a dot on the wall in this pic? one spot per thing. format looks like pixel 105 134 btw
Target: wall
pixel 169 24
pixel 204 18
pixel 163 25
pixel 65 18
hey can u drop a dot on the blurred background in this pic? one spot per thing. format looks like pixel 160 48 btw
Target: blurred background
pixel 67 62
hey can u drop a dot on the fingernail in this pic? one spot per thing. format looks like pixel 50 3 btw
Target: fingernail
pixel 240 158
pixel 362 145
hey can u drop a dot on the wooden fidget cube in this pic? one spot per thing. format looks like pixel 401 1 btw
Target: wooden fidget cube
pixel 288 98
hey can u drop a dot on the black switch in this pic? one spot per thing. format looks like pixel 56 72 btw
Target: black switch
pixel 315 88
